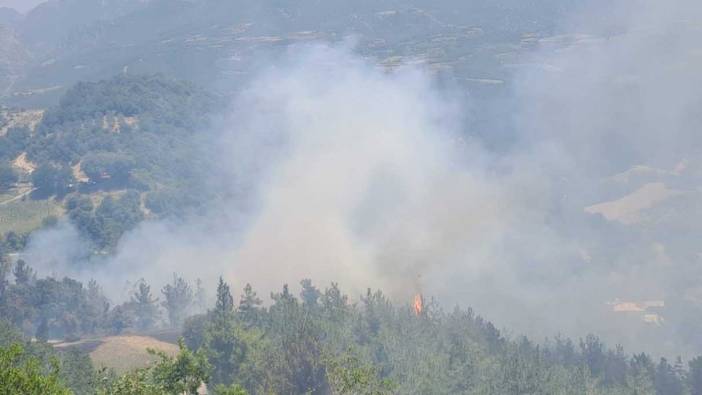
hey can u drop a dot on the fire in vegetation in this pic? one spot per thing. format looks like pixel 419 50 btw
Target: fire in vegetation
pixel 418 304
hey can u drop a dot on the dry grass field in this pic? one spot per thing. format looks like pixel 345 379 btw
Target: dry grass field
pixel 122 353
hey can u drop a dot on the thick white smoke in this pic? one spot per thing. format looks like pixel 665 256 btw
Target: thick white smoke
pixel 373 186
pixel 360 175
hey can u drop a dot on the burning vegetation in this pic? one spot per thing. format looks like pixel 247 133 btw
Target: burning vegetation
pixel 418 304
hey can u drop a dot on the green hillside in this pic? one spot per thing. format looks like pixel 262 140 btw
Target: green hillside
pixel 129 140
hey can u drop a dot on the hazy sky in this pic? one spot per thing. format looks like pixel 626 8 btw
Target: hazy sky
pixel 20 5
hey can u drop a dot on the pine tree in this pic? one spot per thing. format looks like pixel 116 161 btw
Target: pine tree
pixel 146 309
pixel 224 306
pixel 309 294
pixel 249 306
pixel 23 273
pixel 224 349
pixel 335 303
pixel 178 298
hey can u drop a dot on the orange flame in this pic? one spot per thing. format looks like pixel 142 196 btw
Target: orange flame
pixel 418 304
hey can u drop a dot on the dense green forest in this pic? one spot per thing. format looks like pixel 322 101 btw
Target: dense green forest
pixel 320 341
pixel 114 152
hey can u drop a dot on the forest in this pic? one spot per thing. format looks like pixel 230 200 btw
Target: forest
pixel 318 342
pixel 112 150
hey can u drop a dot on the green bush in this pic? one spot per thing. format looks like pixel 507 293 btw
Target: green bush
pixel 23 374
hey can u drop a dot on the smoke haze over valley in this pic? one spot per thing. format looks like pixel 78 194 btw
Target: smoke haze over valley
pixel 20 5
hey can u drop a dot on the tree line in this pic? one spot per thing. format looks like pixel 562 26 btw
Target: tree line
pixel 319 342
pixel 51 308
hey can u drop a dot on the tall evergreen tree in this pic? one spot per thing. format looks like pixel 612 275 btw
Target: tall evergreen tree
pixel 225 351
pixel 309 294
pixel 178 298
pixel 224 306
pixel 249 306
pixel 23 273
pixel 335 303
pixel 145 306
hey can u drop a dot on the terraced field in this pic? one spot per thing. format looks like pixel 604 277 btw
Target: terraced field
pixel 24 214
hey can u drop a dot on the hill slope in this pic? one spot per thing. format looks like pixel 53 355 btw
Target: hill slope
pixel 210 41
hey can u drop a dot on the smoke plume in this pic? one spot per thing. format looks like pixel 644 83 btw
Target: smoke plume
pixel 351 173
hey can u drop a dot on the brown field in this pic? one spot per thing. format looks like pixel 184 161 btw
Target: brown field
pixel 122 353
